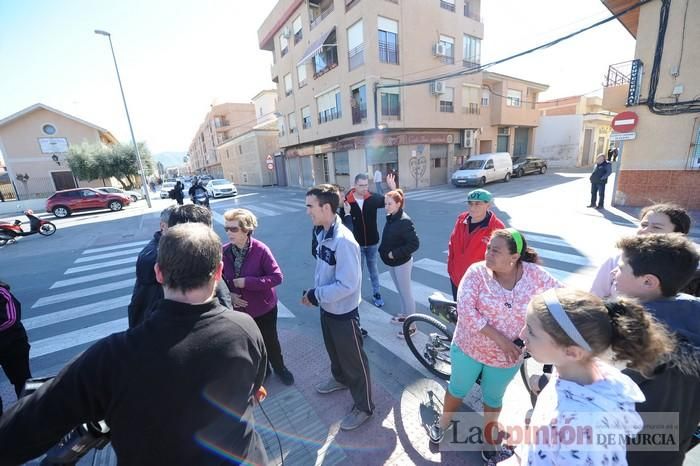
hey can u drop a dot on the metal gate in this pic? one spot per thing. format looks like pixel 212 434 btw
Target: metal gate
pixel 522 141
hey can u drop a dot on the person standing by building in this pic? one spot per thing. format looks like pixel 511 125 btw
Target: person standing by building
pixel 378 181
pixel 177 390
pixel 599 178
pixel 251 274
pixel 470 236
pixel 336 290
pixel 399 242
pixel 363 210
pixel 14 344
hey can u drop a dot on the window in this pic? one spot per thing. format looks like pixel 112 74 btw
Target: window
pixel 485 97
pixel 284 45
pixel 306 117
pixel 448 4
pixel 327 57
pixel 488 165
pixel 514 98
pixel 390 100
pixel 388 40
pixel 471 56
pixel 319 9
pixel 470 99
pixel 356 49
pixel 292 123
pixel 48 129
pixel 448 43
pixel 288 86
pixel 328 105
pixel 280 126
pixel 358 103
pixel 470 11
pixel 447 100
pixel 301 74
pixel 296 28
pixel 341 163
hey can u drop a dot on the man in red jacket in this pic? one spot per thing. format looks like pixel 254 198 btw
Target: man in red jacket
pixel 470 236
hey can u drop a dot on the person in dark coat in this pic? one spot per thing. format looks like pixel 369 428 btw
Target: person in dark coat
pixel 399 242
pixel 178 191
pixel 178 390
pixel 14 344
pixel 599 178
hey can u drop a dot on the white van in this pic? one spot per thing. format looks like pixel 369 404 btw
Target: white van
pixel 484 168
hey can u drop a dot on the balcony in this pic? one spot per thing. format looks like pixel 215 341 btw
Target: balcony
pixel 318 11
pixel 449 6
pixel 619 74
pixel 359 114
pixel 388 53
pixel 329 115
pixel 617 86
pixel 472 109
pixel 356 56
pixel 470 12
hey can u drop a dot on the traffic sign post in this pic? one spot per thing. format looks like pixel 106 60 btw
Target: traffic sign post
pixel 270 163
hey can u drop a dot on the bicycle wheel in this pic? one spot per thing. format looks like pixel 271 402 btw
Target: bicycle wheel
pixel 531 369
pixel 429 343
pixel 47 229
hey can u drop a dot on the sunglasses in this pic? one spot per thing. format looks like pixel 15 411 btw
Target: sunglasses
pixel 233 229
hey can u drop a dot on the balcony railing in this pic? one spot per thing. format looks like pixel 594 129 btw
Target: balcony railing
pixel 325 70
pixel 329 115
pixel 619 74
pixel 447 5
pixel 447 59
pixel 388 53
pixel 358 114
pixel 447 107
pixel 306 123
pixel 471 109
pixel 315 21
pixel 356 56
pixel 471 63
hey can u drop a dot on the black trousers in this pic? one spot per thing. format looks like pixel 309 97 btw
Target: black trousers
pixel 14 359
pixel 454 291
pixel 349 364
pixel 599 189
pixel 267 323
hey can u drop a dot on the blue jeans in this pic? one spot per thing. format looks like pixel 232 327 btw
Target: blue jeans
pixel 378 187
pixel 369 254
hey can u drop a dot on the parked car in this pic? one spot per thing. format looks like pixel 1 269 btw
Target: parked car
pixel 484 168
pixel 64 203
pixel 165 189
pixel 221 188
pixel 133 195
pixel 524 165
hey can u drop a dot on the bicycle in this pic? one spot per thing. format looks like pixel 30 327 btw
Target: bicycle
pixel 431 340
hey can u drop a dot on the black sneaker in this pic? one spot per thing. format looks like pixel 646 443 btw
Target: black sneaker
pixel 285 376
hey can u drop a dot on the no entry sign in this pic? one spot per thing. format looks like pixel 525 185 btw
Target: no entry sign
pixel 624 122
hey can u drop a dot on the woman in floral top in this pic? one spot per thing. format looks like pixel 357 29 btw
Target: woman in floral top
pixel 492 303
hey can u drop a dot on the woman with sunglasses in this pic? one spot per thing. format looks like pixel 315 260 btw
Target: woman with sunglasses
pixel 251 274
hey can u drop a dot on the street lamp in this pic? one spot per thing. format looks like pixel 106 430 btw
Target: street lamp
pixel 126 109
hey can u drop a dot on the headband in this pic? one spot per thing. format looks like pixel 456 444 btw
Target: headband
pixel 554 307
pixel 518 238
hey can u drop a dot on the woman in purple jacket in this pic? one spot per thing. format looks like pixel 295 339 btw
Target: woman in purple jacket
pixel 251 274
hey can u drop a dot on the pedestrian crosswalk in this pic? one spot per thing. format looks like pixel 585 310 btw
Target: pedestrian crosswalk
pixel 261 207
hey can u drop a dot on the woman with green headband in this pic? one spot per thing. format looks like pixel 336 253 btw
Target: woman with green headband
pixel 492 300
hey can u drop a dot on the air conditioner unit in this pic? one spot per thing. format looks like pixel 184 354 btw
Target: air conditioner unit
pixel 439 49
pixel 286 32
pixel 468 138
pixel 437 87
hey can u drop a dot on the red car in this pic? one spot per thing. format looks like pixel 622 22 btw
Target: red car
pixel 65 202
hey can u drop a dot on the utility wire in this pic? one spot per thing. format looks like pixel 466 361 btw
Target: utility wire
pixel 477 69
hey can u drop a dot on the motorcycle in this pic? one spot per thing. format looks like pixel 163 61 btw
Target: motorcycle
pixel 10 231
pixel 201 198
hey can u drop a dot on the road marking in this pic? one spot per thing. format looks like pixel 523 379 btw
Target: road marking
pixel 420 291
pixel 85 268
pixel 107 255
pixel 563 257
pixel 75 338
pixel 76 312
pixel 546 240
pixel 59 298
pixel 433 266
pixel 92 278
pixel 218 218
pixel 283 312
pixel 256 209
pixel 298 205
pixel 118 246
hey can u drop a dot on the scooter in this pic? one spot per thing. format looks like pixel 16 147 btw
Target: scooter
pixel 10 231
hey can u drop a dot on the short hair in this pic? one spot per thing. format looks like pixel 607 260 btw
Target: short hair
pixel 677 214
pixel 670 257
pixel 188 255
pixel 361 176
pixel 190 213
pixel 397 196
pixel 166 213
pixel 244 217
pixel 326 194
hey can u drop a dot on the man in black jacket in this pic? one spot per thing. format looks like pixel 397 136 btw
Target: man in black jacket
pixel 177 390
pixel 147 291
pixel 599 178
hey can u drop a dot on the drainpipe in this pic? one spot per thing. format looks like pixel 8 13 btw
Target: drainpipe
pixel 376 112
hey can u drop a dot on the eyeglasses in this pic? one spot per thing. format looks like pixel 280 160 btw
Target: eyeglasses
pixel 233 229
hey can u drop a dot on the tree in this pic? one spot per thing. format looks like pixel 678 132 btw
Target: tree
pixel 92 161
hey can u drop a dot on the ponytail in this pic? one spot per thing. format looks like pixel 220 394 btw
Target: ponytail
pixel 637 336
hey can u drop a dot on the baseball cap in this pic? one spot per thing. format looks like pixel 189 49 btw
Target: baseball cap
pixel 479 195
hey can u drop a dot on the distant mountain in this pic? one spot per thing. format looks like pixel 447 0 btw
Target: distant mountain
pixel 170 159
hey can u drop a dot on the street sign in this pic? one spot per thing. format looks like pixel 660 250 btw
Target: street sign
pixel 269 162
pixel 623 136
pixel 624 122
pixel 268 159
pixel 270 166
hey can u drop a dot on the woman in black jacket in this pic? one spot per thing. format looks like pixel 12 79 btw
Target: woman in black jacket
pixel 399 242
pixel 14 345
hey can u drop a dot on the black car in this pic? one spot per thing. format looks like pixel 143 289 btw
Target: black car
pixel 524 165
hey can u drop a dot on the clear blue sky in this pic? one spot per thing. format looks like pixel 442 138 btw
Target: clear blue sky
pixel 177 57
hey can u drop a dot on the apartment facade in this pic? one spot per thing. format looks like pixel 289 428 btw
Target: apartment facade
pixel 573 130
pixel 35 142
pixel 661 85
pixel 335 62
pixel 222 123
